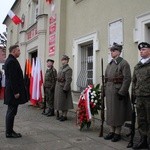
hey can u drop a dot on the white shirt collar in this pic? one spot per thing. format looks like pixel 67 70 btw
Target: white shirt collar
pixel 144 60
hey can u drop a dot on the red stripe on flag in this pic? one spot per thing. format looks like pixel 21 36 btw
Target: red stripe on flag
pixel 14 17
pixel 49 1
pixel 16 20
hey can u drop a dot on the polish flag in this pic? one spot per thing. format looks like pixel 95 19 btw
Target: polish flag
pixel 37 82
pixel 14 17
pixel 32 80
pixel 49 1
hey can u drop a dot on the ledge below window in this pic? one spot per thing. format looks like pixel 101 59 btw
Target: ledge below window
pixel 77 1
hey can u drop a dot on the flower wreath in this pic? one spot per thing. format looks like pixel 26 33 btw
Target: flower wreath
pixel 89 105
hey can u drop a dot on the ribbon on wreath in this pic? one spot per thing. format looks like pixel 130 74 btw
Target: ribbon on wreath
pixel 87 102
pixel 84 101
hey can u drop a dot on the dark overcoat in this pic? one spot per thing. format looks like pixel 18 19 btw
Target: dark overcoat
pixel 63 97
pixel 14 82
pixel 118 111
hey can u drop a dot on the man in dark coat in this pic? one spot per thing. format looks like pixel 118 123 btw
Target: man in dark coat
pixel 15 92
pixel 63 97
pixel 49 86
pixel 118 79
pixel 141 92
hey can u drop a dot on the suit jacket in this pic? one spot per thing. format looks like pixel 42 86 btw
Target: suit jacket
pixel 14 82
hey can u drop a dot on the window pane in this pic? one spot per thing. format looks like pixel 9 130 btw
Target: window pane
pixel 86 73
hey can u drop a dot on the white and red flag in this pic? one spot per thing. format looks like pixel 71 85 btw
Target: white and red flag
pixel 37 82
pixel 49 1
pixel 14 17
pixel 32 80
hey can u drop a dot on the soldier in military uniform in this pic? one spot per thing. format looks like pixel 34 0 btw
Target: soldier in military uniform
pixel 141 92
pixel 49 86
pixel 118 79
pixel 63 97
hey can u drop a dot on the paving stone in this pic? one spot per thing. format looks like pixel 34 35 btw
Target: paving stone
pixel 46 133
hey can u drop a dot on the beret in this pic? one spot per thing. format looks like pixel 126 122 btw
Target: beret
pixel 143 45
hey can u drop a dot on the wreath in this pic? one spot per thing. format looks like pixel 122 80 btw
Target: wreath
pixel 89 105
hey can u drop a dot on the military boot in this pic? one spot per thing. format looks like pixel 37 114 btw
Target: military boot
pixel 142 144
pixel 48 111
pixel 57 115
pixel 109 136
pixel 51 113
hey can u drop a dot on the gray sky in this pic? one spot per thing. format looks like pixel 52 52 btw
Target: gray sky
pixel 4 8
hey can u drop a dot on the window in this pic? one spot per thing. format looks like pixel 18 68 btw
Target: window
pixel 29 14
pixel 32 12
pixel 142 29
pixel 86 73
pixel 85 58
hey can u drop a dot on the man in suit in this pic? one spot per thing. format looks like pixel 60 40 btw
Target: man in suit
pixel 15 92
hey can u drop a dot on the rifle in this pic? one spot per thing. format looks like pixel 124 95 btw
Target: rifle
pixel 132 126
pixel 44 108
pixel 102 103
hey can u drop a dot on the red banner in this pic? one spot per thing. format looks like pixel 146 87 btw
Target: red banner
pixel 52 40
pixel 52 19
pixel 51 50
pixel 52 28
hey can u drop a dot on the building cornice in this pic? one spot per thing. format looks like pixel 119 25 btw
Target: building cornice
pixel 41 16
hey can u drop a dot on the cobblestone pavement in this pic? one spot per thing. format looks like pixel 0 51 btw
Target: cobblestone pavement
pixel 46 133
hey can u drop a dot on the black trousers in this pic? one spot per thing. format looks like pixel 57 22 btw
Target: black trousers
pixel 10 116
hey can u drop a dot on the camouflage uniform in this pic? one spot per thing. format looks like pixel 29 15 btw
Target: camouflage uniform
pixel 141 90
pixel 49 85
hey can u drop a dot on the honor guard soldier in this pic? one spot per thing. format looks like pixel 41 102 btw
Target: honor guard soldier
pixel 117 80
pixel 63 97
pixel 141 92
pixel 49 86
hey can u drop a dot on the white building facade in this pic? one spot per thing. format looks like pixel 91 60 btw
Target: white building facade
pixel 82 29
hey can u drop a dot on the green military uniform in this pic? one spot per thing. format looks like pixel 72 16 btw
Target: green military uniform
pixel 141 90
pixel 49 86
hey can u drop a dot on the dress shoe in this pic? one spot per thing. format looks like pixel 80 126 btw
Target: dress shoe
pixel 109 136
pixel 63 118
pixel 13 135
pixel 148 147
pixel 57 115
pixel 142 144
pixel 116 138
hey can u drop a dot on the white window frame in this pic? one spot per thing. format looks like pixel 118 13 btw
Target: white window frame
pixel 139 30
pixel 77 55
pixel 140 21
pixel 77 1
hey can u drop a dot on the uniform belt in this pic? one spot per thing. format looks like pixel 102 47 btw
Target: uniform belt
pixel 110 80
pixel 114 80
pixel 59 80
